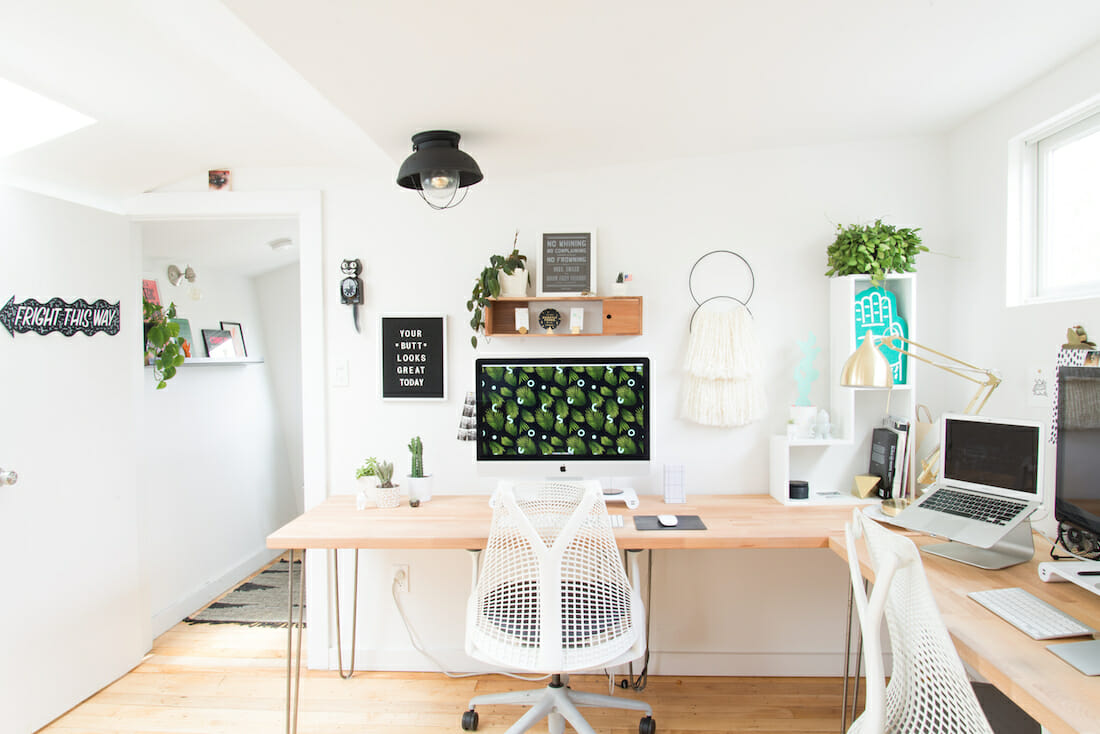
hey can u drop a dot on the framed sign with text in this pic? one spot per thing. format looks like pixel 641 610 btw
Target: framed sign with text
pixel 414 356
pixel 567 264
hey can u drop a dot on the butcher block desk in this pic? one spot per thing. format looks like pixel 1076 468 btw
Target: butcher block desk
pixel 1054 693
pixel 462 522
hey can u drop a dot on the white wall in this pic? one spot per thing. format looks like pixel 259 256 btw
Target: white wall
pixel 75 610
pixel 278 296
pixel 216 467
pixel 777 208
pixel 1019 340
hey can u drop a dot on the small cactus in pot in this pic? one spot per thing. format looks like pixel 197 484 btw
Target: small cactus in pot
pixel 416 448
pixel 420 485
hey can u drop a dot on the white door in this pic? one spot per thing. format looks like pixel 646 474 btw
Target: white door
pixel 74 614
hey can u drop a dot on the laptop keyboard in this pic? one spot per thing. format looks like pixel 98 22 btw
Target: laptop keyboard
pixel 992 510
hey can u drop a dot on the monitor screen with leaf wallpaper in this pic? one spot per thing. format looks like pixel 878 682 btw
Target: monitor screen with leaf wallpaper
pixel 554 416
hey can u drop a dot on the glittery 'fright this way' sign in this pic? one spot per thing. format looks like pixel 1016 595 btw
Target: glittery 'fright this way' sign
pixel 58 315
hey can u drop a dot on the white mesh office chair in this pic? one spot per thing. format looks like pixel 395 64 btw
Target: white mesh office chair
pixel 552 597
pixel 929 691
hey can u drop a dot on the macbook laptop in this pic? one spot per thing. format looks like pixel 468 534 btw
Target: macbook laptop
pixel 989 481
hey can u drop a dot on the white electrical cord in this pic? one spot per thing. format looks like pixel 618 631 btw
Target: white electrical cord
pixel 419 647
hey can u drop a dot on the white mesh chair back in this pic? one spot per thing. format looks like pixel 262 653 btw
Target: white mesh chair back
pixel 929 691
pixel 552 595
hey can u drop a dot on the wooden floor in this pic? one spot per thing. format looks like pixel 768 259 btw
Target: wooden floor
pixel 230 679
pixel 227 679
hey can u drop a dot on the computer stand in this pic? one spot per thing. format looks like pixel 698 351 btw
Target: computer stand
pixel 1016 547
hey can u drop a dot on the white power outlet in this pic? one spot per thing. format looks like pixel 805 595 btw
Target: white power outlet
pixel 401 576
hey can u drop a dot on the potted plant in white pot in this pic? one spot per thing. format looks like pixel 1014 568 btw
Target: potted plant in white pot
pixel 376 475
pixel 873 249
pixel 366 475
pixel 504 276
pixel 420 484
pixel 513 275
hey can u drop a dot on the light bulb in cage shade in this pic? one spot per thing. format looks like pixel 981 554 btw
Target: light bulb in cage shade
pixel 439 186
pixel 437 169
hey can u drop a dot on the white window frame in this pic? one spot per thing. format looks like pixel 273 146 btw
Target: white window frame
pixel 1028 157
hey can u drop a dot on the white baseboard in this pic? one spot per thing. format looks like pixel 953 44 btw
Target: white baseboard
pixel 781 664
pixel 197 598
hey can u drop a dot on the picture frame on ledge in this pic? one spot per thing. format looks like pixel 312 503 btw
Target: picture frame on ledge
pixel 567 263
pixel 218 343
pixel 235 330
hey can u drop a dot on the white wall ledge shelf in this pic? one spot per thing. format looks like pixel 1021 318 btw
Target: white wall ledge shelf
pixel 210 361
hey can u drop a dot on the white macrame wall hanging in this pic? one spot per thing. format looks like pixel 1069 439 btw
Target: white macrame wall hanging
pixel 722 362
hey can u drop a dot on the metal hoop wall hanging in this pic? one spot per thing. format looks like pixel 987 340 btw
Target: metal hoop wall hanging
pixel 699 304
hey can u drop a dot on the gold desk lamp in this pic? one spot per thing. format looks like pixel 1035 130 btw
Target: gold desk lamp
pixel 868 368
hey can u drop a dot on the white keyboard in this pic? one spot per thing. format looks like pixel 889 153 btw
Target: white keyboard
pixel 616 521
pixel 1029 614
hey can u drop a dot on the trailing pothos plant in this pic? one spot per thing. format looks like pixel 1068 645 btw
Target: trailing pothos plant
pixel 163 345
pixel 873 249
pixel 487 286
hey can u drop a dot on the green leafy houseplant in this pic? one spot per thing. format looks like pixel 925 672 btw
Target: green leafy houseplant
pixel 163 345
pixel 873 249
pixel 487 286
pixel 368 469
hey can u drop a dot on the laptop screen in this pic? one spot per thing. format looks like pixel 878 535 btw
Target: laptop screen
pixel 1000 457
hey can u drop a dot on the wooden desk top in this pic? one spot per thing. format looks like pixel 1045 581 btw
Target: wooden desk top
pixel 462 521
pixel 1049 689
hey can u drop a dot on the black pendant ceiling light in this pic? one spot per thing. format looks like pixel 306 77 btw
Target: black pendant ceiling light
pixel 438 169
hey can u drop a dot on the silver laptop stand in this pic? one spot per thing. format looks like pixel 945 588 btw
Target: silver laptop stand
pixel 1016 547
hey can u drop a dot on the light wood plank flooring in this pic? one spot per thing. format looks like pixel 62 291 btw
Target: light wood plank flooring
pixel 229 679
pixel 215 679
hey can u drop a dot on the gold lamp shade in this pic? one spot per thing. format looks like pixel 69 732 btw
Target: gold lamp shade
pixel 867 367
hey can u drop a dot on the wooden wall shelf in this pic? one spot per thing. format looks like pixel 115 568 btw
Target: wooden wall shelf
pixel 604 315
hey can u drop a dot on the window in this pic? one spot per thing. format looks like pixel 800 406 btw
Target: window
pixel 1062 212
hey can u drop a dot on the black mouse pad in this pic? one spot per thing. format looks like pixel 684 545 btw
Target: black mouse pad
pixel 686 522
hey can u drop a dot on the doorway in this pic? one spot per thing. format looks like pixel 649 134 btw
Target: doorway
pixel 218 437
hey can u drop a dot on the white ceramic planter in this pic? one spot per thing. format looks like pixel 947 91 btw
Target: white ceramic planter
pixel 420 488
pixel 386 497
pixel 514 285
pixel 620 289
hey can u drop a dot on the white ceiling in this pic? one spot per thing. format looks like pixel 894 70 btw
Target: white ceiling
pixel 237 246
pixel 182 86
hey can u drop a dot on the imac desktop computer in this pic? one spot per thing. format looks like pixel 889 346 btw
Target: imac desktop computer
pixel 1077 463
pixel 562 417
pixel 1077 498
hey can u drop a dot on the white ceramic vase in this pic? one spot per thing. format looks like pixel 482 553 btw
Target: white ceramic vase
pixel 514 285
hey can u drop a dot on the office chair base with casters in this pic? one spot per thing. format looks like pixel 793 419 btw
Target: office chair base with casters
pixel 559 702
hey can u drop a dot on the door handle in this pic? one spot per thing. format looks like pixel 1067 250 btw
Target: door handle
pixel 8 477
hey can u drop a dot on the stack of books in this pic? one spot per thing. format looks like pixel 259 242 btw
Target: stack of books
pixel 891 453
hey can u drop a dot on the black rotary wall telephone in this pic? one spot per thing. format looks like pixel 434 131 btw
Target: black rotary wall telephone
pixel 351 287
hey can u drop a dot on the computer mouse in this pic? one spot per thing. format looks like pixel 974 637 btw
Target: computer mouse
pixel 668 521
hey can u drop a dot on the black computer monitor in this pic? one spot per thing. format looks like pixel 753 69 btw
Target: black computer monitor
pixel 1077 468
pixel 553 416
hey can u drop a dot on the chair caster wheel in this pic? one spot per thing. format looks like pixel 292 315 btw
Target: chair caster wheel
pixel 469 720
pixel 647 726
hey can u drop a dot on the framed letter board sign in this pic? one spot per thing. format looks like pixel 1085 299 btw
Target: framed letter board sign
pixel 567 264
pixel 414 359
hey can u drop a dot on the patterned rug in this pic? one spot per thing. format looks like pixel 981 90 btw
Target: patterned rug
pixel 259 602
